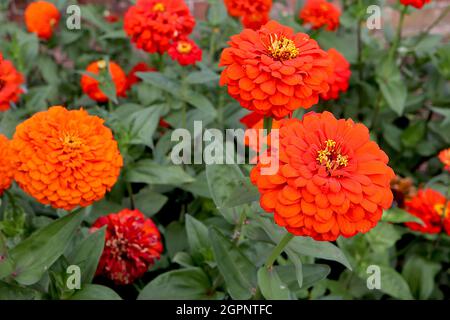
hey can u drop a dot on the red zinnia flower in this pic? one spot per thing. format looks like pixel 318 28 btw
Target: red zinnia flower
pixel 444 156
pixel 415 3
pixel 139 67
pixel 10 82
pixel 274 71
pixel 254 13
pixel 428 205
pixel 90 86
pixel 185 51
pixel 320 13
pixel 6 164
pixel 338 81
pixel 331 179
pixel 132 245
pixel 154 24
pixel 41 17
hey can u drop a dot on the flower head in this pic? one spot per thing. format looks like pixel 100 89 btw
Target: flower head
pixel 154 24
pixel 444 156
pixel 428 205
pixel 65 158
pixel 254 13
pixel 132 244
pixel 274 71
pixel 331 180
pixel 320 13
pixel 6 165
pixel 139 67
pixel 339 80
pixel 185 51
pixel 418 4
pixel 90 86
pixel 41 17
pixel 10 82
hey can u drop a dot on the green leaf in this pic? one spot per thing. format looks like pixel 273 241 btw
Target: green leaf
pixel 49 70
pixel 147 171
pixel 295 258
pixel 33 256
pixel 238 271
pixel 305 245
pixel 143 124
pixel 6 265
pixel 176 238
pixel 312 273
pixel 87 255
pixel 222 181
pixel 244 192
pixel 397 215
pixel 217 13
pixel 203 76
pixel 393 284
pixel 412 135
pixel 198 239
pixel 149 202
pixel 383 237
pixel 184 284
pixel 272 288
pixel 420 274
pixel 95 292
pixel 392 85
pixel 10 291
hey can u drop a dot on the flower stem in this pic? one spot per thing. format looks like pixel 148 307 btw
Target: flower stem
pixel 130 194
pixel 268 124
pixel 278 249
pixel 398 35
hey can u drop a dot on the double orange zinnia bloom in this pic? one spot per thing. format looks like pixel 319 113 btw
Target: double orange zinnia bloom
pixel 320 13
pixel 274 71
pixel 428 205
pixel 6 166
pixel 41 17
pixel 332 179
pixel 90 86
pixel 65 158
pixel 10 82
pixel 254 13
pixel 154 24
pixel 339 80
pixel 444 156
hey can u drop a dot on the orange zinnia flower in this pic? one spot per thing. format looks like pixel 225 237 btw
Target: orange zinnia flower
pixel 154 24
pixel 132 245
pixel 444 156
pixel 339 80
pixel 320 13
pixel 6 165
pixel 274 71
pixel 90 86
pixel 10 82
pixel 415 3
pixel 185 51
pixel 41 17
pixel 428 205
pixel 65 158
pixel 332 179
pixel 254 13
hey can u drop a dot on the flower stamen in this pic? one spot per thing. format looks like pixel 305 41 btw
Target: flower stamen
pixel 159 7
pixel 184 47
pixel 330 157
pixel 282 48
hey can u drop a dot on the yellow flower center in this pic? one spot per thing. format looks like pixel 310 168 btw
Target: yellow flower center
pixel 184 47
pixel 282 48
pixel 330 157
pixel 101 64
pixel 439 208
pixel 71 141
pixel 159 7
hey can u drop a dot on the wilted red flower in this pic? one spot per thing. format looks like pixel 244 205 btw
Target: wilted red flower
pixel 320 13
pixel 403 189
pixel 90 86
pixel 6 165
pixel 444 156
pixel 428 205
pixel 65 158
pixel 415 3
pixel 331 180
pixel 110 17
pixel 139 67
pixel 254 13
pixel 274 71
pixel 10 82
pixel 41 17
pixel 154 24
pixel 339 80
pixel 185 51
pixel 132 244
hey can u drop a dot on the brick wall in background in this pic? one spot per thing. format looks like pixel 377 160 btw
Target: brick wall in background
pixel 414 23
